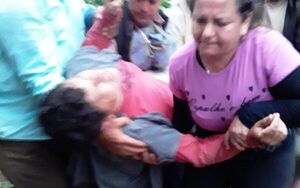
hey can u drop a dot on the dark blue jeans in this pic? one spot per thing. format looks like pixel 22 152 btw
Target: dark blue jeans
pixel 250 169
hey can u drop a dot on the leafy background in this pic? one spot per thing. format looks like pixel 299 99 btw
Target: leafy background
pixel 164 4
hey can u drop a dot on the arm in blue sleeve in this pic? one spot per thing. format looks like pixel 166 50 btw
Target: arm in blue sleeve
pixel 287 103
pixel 28 43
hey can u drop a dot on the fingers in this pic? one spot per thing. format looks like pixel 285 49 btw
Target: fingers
pixel 126 150
pixel 131 142
pixel 149 158
pixel 113 6
pixel 137 157
pixel 236 135
pixel 259 126
pixel 110 31
pixel 275 133
pixel 112 121
pixel 113 139
pixel 226 140
pixel 265 122
pixel 272 133
pixel 238 141
pixel 125 146
pixel 98 14
pixel 121 121
pixel 270 130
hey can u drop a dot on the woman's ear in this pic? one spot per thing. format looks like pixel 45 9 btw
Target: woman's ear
pixel 246 25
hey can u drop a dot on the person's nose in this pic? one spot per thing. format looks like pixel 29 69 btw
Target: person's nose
pixel 144 6
pixel 208 30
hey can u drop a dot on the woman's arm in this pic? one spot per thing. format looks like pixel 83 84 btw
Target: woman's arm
pixel 287 103
pixel 182 119
pixel 287 93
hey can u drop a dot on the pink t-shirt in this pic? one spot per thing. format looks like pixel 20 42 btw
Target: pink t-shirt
pixel 263 59
pixel 143 93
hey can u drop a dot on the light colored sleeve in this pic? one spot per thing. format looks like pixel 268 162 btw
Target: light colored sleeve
pixel 280 58
pixel 27 40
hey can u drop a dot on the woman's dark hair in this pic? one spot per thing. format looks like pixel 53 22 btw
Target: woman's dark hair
pixel 191 4
pixel 68 117
pixel 248 7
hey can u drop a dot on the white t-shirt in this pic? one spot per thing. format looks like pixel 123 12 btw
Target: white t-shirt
pixel 274 14
pixel 180 22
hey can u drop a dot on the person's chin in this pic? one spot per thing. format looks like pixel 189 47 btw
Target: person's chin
pixel 208 50
pixel 142 22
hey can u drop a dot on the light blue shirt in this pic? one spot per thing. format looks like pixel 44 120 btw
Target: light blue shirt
pixel 37 38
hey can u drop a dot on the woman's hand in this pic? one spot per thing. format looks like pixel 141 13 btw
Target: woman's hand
pixel 271 130
pixel 113 139
pixel 147 157
pixel 110 31
pixel 114 8
pixel 236 135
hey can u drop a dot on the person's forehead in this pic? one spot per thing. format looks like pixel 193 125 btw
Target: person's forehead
pixel 215 6
pixel 216 2
pixel 150 1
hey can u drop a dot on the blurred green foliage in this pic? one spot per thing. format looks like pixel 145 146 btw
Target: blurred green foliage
pixel 94 2
pixel 164 4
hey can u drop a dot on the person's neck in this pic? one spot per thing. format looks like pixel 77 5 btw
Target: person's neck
pixel 216 63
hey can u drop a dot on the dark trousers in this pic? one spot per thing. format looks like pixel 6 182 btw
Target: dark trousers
pixel 31 165
pixel 250 169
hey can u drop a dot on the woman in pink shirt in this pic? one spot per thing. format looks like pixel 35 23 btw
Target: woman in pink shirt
pixel 232 63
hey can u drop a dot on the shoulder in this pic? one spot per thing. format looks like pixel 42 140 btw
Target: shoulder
pixel 18 8
pixel 265 42
pixel 262 36
pixel 17 16
pixel 181 64
pixel 183 56
pixel 271 51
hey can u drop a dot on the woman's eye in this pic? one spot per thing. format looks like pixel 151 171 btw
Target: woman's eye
pixel 220 23
pixel 201 21
pixel 153 2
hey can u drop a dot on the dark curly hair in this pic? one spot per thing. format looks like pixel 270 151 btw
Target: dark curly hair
pixel 68 117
